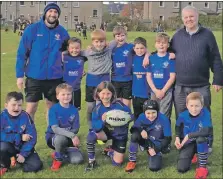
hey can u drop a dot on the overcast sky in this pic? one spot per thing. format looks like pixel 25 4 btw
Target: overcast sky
pixel 105 2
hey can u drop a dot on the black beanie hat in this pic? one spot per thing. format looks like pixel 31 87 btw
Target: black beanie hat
pixel 151 104
pixel 52 6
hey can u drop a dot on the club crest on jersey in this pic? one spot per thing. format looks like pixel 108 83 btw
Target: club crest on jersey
pixel 125 53
pixel 200 125
pixel 57 36
pixel 158 127
pixel 23 127
pixel 79 62
pixel 72 117
pixel 165 64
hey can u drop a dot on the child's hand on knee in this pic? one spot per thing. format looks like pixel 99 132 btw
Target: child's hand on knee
pixel 20 158
pixel 76 141
pixel 144 134
pixel 177 143
pixel 26 137
pixel 151 152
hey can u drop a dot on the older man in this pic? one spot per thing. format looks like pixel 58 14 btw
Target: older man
pixel 39 59
pixel 196 52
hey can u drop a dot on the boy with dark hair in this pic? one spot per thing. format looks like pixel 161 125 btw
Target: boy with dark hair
pixel 18 136
pixel 193 127
pixel 152 131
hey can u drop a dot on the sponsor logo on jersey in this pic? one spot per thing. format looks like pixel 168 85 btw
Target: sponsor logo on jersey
pixel 158 75
pixel 73 73
pixel 120 65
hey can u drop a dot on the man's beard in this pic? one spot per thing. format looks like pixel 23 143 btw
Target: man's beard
pixel 51 22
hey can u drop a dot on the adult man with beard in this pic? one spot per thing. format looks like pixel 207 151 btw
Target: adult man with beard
pixel 39 59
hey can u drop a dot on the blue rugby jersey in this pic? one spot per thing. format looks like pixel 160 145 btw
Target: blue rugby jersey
pixel 160 68
pixel 73 68
pixel 98 124
pixel 195 124
pixel 121 65
pixel 140 87
pixel 12 129
pixel 157 129
pixel 67 118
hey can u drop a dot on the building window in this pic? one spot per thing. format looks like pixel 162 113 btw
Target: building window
pixel 65 18
pixel 32 3
pixel 64 4
pixel 206 4
pixel 75 4
pixel 161 4
pixel 190 3
pixel 22 3
pixel 219 5
pixel 10 17
pixel 75 18
pixel 45 2
pixel 95 13
pixel 161 18
pixel 176 4
pixel 10 3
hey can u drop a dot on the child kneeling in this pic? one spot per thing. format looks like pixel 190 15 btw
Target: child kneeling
pixel 18 137
pixel 193 128
pixel 63 127
pixel 152 132
pixel 105 92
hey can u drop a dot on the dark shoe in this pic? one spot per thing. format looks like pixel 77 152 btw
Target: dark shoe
pixel 91 166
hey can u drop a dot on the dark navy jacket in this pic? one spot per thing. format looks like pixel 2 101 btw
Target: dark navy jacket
pixel 12 129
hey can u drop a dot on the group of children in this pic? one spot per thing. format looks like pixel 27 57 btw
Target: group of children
pixel 115 75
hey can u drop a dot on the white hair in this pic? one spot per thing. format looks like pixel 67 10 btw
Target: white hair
pixel 190 8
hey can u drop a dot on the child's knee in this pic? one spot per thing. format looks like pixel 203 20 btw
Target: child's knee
pixel 91 137
pixel 33 167
pixel 183 166
pixel 60 140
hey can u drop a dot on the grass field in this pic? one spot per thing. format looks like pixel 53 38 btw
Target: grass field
pixel 9 44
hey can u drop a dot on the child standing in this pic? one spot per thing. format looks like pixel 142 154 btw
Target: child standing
pixel 18 136
pixel 99 67
pixel 161 75
pixel 193 128
pixel 152 131
pixel 121 76
pixel 140 87
pixel 73 68
pixel 61 134
pixel 105 92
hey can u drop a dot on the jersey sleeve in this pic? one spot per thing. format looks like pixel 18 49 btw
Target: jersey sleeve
pixel 207 119
pixel 52 117
pixel 29 145
pixel 76 123
pixel 97 123
pixel 166 127
pixel 172 66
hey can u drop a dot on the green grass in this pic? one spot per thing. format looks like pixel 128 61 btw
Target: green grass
pixel 9 44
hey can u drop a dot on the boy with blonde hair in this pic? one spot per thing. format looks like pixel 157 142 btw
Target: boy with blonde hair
pixel 122 66
pixel 64 124
pixel 99 67
pixel 193 128
pixel 161 74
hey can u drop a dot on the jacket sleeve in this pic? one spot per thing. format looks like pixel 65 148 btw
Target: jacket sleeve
pixel 76 124
pixel 6 137
pixel 97 123
pixel 24 50
pixel 215 61
pixel 65 39
pixel 29 145
pixel 179 126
